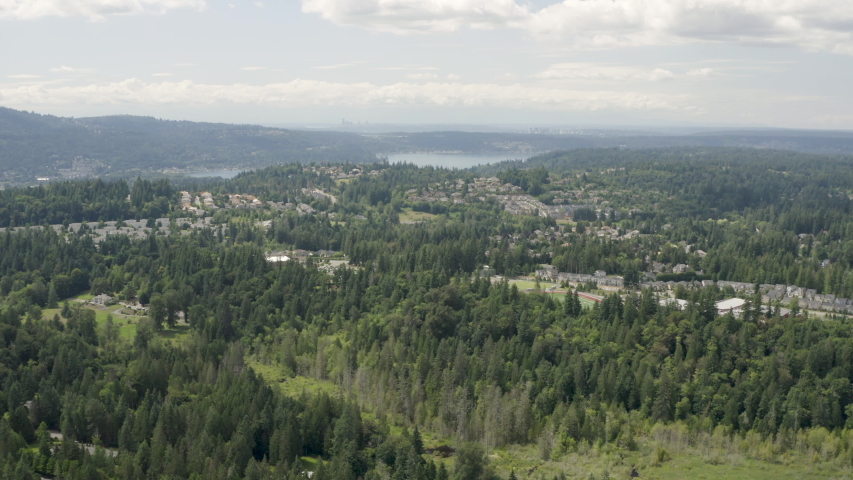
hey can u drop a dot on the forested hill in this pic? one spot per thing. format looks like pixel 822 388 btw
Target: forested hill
pixel 685 157
pixel 819 142
pixel 33 145
pixel 384 349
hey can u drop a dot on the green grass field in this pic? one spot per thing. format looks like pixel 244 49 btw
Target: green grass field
pixel 293 386
pixel 687 465
pixel 407 215
pixel 127 323
pixel 585 302
pixel 523 285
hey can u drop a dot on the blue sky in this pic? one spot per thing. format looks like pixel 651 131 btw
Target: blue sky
pixel 780 63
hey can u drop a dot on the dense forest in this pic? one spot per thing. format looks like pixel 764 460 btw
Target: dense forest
pixel 405 362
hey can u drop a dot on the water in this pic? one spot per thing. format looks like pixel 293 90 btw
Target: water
pixel 446 160
pixel 455 160
pixel 216 173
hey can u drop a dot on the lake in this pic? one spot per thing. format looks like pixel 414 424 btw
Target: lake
pixel 216 173
pixel 455 160
pixel 446 160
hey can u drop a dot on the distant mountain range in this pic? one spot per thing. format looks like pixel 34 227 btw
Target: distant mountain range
pixel 43 146
pixel 33 145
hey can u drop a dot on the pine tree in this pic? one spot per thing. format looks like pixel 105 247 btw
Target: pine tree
pixel 578 307
pixel 442 473
pixel 417 442
pixel 52 297
pixel 665 400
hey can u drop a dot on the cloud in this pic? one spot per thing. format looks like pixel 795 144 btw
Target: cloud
pixel 811 24
pixel 339 65
pixel 422 76
pixel 67 69
pixel 96 10
pixel 408 67
pixel 260 4
pixel 700 72
pixel 603 72
pixel 412 16
pixel 161 74
pixel 452 76
pixel 23 76
pixel 301 93
pixel 660 74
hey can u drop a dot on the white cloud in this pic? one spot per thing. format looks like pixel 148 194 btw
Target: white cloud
pixel 603 72
pixel 810 24
pixel 409 16
pixel 452 76
pixel 96 10
pixel 335 67
pixel 422 76
pixel 660 74
pixel 67 69
pixel 317 93
pixel 260 4
pixel 23 76
pixel 408 67
pixel 161 74
pixel 701 72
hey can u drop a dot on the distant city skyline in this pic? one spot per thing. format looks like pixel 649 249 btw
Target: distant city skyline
pixel 655 63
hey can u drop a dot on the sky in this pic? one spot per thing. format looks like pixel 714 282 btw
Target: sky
pixel 739 63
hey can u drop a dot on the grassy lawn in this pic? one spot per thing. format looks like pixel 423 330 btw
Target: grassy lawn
pixel 127 323
pixel 407 215
pixel 523 285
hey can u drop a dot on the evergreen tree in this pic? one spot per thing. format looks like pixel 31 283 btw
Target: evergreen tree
pixel 52 297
